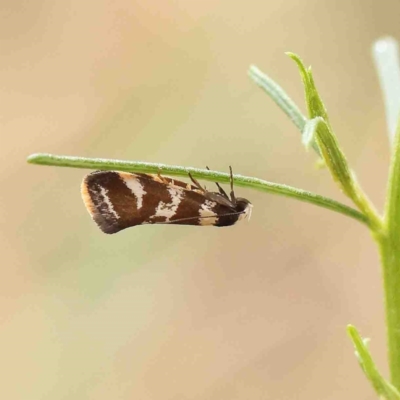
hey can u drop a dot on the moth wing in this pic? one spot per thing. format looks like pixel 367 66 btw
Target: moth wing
pixel 119 200
pixel 194 206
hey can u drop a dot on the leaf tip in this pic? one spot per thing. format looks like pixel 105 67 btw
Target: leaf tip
pixel 32 158
pixel 252 70
pixel 291 54
pixel 295 57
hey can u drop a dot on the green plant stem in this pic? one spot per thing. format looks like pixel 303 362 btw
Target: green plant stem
pixel 317 132
pixel 390 254
pixel 390 259
pixel 243 181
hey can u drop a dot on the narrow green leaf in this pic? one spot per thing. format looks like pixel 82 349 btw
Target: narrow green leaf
pixel 279 96
pixel 315 105
pixel 382 387
pixel 213 176
pixel 387 62
pixel 319 108
pixel 302 70
pixel 319 131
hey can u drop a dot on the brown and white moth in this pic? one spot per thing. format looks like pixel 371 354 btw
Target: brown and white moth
pixel 119 200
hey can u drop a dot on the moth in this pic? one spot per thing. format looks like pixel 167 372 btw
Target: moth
pixel 119 200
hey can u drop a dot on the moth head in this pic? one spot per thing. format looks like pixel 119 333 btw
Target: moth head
pixel 245 207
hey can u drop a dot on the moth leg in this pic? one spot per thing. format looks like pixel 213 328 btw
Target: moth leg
pixel 196 183
pixel 164 180
pixel 159 176
pixel 221 191
pixel 233 198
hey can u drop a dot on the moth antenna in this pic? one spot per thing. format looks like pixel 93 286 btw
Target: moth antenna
pixel 233 198
pixel 205 217
pixel 220 189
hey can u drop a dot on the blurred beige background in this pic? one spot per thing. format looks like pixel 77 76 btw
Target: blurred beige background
pixel 257 311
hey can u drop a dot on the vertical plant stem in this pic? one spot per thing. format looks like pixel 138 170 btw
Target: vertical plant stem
pixel 389 243
pixel 386 57
pixel 390 258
